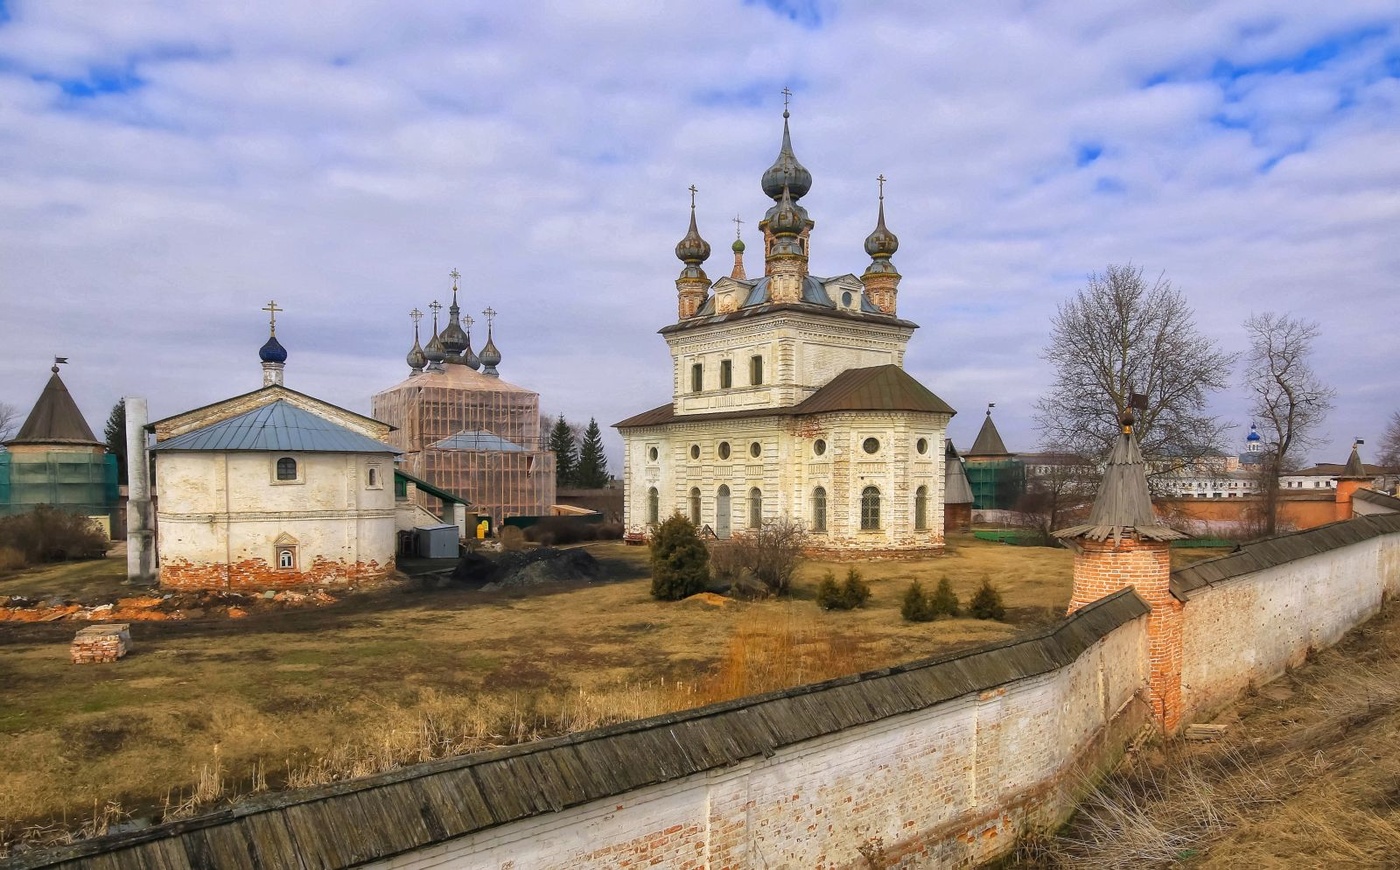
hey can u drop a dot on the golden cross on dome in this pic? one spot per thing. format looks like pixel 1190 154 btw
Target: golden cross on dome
pixel 455 275
pixel 272 309
pixel 490 315
pixel 693 190
pixel 881 178
pixel 416 315
pixel 738 227
pixel 436 306
pixel 787 95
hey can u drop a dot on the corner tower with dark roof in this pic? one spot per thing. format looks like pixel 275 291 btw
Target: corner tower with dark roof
pixel 789 397
pixel 996 475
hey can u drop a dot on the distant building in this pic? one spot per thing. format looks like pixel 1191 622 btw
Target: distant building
pixel 997 476
pixel 273 488
pixel 957 493
pixel 463 429
pixel 789 396
pixel 55 460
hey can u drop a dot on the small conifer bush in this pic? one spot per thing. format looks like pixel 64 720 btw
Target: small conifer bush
pixel 944 601
pixel 986 604
pixel 849 595
pixel 915 606
pixel 829 593
pixel 680 564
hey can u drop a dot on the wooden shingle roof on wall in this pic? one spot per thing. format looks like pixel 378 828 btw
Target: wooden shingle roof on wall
pixel 349 823
pixel 1248 558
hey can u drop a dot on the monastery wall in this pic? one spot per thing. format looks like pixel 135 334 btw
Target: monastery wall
pixel 1247 629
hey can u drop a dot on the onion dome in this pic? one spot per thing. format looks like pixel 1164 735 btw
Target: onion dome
pixel 786 171
pixel 272 351
pixel 490 356
pixel 468 357
pixel 434 354
pixel 788 218
pixel 1253 434
pixel 416 360
pixel 692 250
pixel 882 243
pixel 738 246
pixel 453 338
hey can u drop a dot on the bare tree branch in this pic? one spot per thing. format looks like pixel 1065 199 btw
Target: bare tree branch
pixel 9 421
pixel 1390 442
pixel 1117 336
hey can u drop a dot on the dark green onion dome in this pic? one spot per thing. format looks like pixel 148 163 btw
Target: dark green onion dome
pixel 788 218
pixel 738 246
pixel 786 171
pixel 272 351
pixel 693 250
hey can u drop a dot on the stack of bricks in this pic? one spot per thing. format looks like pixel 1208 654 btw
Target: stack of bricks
pixel 101 643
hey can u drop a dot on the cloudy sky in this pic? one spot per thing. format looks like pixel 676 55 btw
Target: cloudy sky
pixel 167 168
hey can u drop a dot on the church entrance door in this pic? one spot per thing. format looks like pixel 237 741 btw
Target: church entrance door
pixel 722 513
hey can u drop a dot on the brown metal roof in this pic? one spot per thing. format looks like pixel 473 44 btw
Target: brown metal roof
pixel 55 419
pixel 877 388
pixel 371 819
pixel 1279 550
pixel 988 441
pixel 1123 503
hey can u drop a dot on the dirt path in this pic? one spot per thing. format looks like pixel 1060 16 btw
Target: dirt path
pixel 1308 775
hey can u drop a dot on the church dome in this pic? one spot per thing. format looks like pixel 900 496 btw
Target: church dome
pixel 1253 434
pixel 882 242
pixel 434 351
pixel 692 250
pixel 786 171
pixel 272 351
pixel 738 246
pixel 416 359
pixel 789 218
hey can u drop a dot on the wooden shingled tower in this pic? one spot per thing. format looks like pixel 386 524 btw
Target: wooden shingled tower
pixel 1124 544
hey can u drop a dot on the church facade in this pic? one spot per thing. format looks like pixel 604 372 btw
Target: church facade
pixel 789 397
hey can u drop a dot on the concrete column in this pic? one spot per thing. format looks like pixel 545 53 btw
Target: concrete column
pixel 459 519
pixel 140 519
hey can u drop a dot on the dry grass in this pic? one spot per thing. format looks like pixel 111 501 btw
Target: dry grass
pixel 1309 777
pixel 300 697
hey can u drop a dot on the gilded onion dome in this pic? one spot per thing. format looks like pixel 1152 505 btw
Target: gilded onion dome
pixel 786 171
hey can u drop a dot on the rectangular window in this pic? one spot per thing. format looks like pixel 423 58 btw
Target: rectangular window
pixel 697 378
pixel 756 370
pixel 726 374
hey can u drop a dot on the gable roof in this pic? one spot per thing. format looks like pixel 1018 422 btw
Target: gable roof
pixel 477 441
pixel 877 388
pixel 1379 499
pixel 197 418
pixel 956 489
pixel 55 419
pixel 988 442
pixel 277 426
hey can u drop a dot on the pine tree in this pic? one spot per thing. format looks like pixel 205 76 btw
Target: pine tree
pixel 680 564
pixel 115 433
pixel 561 441
pixel 944 600
pixel 986 604
pixel 592 470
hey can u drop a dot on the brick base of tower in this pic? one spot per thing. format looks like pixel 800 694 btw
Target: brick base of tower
pixel 1104 567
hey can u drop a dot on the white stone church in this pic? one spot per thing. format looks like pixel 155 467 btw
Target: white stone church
pixel 789 397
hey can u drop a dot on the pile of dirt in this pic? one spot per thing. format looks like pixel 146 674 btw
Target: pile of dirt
pixel 535 567
pixel 156 607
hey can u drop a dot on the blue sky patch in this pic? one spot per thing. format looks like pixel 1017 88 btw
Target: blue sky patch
pixel 1087 153
pixel 96 83
pixel 1108 184
pixel 749 96
pixel 4 13
pixel 805 13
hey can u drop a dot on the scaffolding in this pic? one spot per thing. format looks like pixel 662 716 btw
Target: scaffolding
pixel 83 482
pixel 474 435
pixel 997 484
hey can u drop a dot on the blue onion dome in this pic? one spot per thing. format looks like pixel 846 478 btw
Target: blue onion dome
pixel 273 351
pixel 786 171
pixel 692 250
pixel 882 243
pixel 1253 433
pixel 789 219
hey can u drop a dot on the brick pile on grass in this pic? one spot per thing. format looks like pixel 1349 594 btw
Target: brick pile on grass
pixel 100 643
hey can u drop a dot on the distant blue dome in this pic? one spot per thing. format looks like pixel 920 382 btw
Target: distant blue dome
pixel 1253 434
pixel 273 351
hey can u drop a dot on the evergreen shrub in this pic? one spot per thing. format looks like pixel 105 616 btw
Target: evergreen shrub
pixel 944 601
pixel 680 564
pixel 987 604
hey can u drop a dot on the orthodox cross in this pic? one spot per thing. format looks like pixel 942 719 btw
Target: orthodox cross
pixel 272 309
pixel 738 227
pixel 436 306
pixel 693 191
pixel 787 95
pixel 467 318
pixel 490 315
pixel 881 178
pixel 455 275
pixel 417 316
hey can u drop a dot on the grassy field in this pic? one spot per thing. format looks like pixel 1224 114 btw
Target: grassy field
pixel 204 710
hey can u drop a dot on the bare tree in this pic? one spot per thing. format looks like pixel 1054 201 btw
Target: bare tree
pixel 1117 336
pixel 9 421
pixel 1390 443
pixel 1288 400
pixel 1065 488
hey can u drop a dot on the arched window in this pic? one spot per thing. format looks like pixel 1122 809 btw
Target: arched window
pixel 755 508
pixel 870 509
pixel 819 509
pixel 374 477
pixel 722 512
pixel 653 506
pixel 286 468
pixel 695 505
pixel 921 508
pixel 286 558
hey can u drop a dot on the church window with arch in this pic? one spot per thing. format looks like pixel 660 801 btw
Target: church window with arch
pixel 695 505
pixel 286 468
pixel 819 509
pixel 755 508
pixel 653 506
pixel 921 509
pixel 870 509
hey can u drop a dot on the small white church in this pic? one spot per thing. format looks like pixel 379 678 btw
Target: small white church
pixel 273 489
pixel 789 397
